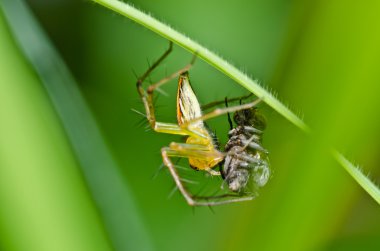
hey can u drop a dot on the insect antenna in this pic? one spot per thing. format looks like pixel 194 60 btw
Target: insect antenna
pixel 228 114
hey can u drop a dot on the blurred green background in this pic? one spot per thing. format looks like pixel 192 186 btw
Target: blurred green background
pixel 321 58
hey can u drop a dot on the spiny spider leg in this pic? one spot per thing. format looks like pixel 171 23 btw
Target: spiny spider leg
pixel 153 66
pixel 147 96
pixel 190 199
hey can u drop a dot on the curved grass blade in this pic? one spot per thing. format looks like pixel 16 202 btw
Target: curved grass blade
pixel 228 69
pixel 110 192
pixel 360 178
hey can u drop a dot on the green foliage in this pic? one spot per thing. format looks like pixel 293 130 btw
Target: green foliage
pixel 111 195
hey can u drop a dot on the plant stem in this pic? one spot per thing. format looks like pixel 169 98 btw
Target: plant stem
pixel 355 172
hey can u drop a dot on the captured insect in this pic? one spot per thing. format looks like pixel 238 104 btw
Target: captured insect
pixel 246 163
pixel 244 158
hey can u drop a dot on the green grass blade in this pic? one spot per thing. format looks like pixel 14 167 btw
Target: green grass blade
pixel 360 178
pixel 110 192
pixel 228 69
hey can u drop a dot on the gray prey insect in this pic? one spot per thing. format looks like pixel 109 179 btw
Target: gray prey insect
pixel 200 148
pixel 246 165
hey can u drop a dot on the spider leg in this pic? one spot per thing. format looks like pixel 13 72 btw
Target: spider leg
pixel 220 111
pixel 153 66
pixel 220 102
pixel 163 81
pixel 187 151
pixel 147 96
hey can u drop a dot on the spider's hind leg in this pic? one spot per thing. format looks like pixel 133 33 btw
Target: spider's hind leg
pixel 192 151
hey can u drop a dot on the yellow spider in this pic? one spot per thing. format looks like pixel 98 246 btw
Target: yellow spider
pixel 199 147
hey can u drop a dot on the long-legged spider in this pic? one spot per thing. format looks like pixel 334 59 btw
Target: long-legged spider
pixel 199 147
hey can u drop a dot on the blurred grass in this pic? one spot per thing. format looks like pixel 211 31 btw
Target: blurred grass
pixel 320 56
pixel 45 204
pixel 111 195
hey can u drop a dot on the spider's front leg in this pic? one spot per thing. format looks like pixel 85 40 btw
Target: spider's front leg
pixel 147 95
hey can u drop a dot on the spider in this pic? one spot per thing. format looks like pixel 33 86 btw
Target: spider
pixel 199 147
